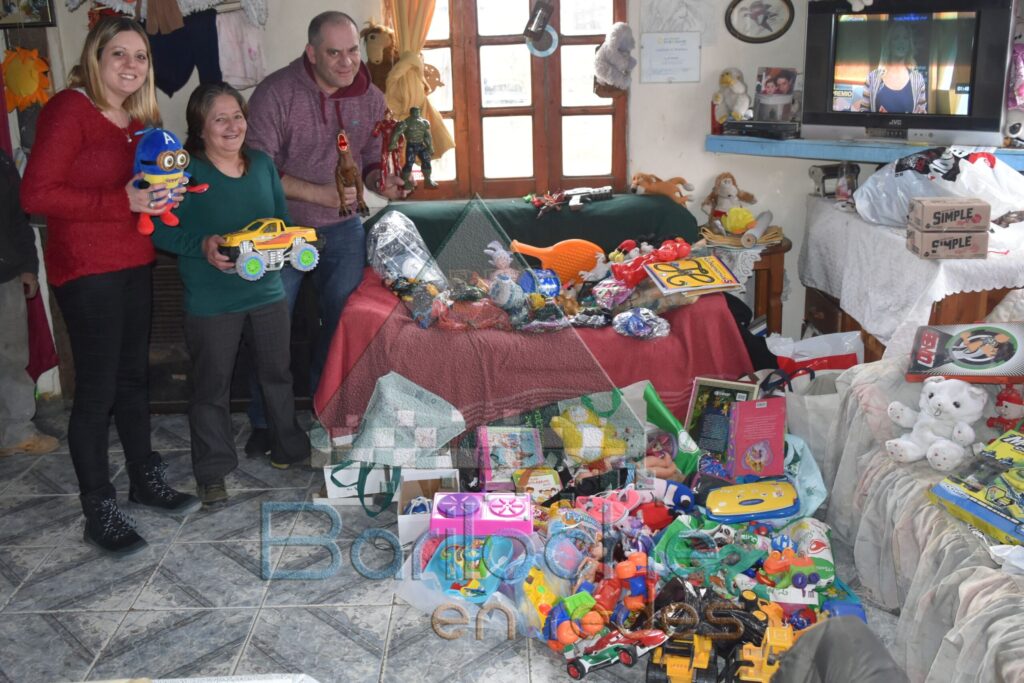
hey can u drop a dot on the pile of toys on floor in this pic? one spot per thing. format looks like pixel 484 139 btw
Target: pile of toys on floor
pixel 657 556
pixel 577 283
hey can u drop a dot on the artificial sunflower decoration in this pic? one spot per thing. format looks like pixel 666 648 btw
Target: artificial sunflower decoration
pixel 25 78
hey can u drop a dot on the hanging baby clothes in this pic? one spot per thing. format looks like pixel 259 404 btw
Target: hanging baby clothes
pixel 163 16
pixel 194 46
pixel 241 50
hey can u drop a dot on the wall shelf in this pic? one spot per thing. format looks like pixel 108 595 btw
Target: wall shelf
pixel 832 150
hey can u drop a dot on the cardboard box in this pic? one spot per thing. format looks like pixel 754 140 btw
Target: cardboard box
pixel 421 483
pixel 943 245
pixel 940 214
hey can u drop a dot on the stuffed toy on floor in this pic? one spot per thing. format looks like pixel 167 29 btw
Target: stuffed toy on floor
pixel 942 430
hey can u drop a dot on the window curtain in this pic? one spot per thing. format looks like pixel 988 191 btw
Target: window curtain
pixel 405 89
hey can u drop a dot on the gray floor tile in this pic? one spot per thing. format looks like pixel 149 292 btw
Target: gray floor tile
pixel 15 566
pixel 256 473
pixel 416 653
pixel 331 585
pixel 13 466
pixel 206 575
pixel 331 644
pixel 79 577
pixel 241 518
pixel 39 521
pixel 53 474
pixel 44 648
pixel 175 644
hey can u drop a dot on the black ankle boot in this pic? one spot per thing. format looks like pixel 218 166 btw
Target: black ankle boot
pixel 148 487
pixel 107 528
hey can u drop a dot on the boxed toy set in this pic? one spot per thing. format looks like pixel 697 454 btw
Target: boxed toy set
pixel 983 352
pixel 990 494
pixel 756 446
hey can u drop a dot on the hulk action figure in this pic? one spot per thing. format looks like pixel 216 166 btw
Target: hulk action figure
pixel 418 143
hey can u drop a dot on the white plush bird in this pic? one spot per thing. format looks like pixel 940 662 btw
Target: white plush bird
pixel 731 100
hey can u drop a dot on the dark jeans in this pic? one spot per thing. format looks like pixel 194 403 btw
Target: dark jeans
pixel 108 319
pixel 342 258
pixel 213 343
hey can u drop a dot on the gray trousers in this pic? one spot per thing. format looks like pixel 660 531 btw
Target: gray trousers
pixel 17 390
pixel 213 343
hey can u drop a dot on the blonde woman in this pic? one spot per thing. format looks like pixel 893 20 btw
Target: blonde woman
pixel 100 268
pixel 896 86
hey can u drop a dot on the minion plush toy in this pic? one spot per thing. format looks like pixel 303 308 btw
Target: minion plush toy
pixel 160 158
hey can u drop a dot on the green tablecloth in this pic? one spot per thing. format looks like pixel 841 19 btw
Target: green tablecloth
pixel 625 216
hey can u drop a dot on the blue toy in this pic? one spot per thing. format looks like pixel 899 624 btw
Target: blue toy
pixel 544 281
pixel 161 159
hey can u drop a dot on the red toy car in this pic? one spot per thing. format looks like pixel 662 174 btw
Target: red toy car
pixel 615 646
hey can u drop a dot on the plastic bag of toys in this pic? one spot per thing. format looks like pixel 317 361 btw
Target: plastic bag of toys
pixel 396 251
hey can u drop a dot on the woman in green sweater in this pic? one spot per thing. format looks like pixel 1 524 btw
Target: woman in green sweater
pixel 220 307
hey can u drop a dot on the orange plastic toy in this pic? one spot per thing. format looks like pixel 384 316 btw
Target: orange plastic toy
pixel 567 258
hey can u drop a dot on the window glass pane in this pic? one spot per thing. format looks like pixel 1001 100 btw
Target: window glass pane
pixel 504 76
pixel 586 17
pixel 508 147
pixel 586 145
pixel 439 24
pixel 441 58
pixel 578 77
pixel 501 17
pixel 444 167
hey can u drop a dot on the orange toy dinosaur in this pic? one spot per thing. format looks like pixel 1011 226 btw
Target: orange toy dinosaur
pixel 346 174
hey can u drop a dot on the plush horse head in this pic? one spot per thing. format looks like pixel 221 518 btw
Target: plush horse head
pixel 381 51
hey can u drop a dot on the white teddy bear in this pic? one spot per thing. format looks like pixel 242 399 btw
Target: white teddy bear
pixel 613 61
pixel 942 430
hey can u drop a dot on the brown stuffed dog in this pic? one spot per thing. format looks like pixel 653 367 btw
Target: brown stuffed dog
pixel 673 188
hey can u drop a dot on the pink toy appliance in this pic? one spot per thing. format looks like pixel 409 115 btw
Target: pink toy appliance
pixel 493 514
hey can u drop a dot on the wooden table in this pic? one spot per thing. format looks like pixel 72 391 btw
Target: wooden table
pixel 769 276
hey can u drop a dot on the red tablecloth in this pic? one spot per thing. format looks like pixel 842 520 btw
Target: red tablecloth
pixel 488 374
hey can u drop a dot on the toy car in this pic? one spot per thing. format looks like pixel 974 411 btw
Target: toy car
pixel 615 647
pixel 266 243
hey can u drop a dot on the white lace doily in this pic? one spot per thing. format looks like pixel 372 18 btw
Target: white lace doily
pixel 886 288
pixel 740 261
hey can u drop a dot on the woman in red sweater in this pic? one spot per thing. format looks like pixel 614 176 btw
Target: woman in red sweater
pixel 79 176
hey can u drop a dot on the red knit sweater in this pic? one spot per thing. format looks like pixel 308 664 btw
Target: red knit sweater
pixel 76 174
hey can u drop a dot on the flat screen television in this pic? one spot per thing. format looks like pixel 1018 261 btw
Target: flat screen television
pixel 929 71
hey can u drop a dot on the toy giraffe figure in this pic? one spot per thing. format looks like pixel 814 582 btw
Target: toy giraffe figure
pixel 346 174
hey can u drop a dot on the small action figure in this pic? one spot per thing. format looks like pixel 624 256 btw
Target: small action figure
pixel 418 143
pixel 346 174
pixel 390 159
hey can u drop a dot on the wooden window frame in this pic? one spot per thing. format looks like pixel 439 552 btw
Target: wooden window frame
pixel 468 113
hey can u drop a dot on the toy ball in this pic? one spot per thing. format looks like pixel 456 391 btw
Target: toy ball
pixel 591 623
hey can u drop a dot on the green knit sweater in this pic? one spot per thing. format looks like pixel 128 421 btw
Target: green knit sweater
pixel 229 205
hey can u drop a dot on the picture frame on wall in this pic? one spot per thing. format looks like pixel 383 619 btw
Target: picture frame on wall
pixel 759 21
pixel 27 13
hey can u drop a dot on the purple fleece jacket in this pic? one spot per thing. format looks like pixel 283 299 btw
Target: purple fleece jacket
pixel 295 123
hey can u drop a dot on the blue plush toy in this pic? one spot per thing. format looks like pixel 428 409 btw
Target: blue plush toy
pixel 161 159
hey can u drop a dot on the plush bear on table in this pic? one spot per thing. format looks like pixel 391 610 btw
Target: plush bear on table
pixel 943 429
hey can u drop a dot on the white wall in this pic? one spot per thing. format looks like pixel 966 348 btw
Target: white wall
pixel 667 122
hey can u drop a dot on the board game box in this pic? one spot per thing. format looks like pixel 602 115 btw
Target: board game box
pixel 983 352
pixel 990 494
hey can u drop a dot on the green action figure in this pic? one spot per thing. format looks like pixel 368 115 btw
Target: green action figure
pixel 418 143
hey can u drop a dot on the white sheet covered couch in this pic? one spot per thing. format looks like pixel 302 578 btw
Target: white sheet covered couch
pixel 961 617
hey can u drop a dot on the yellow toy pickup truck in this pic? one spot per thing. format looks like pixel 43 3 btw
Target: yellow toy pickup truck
pixel 266 244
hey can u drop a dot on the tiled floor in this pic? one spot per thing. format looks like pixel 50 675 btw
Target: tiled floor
pixel 194 603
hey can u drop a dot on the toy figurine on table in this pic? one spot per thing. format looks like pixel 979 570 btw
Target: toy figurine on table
pixel 162 161
pixel 390 159
pixel 501 259
pixel 346 175
pixel 418 144
pixel 727 214
pixel 1009 410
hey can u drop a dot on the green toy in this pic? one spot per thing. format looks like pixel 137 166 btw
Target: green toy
pixel 418 143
